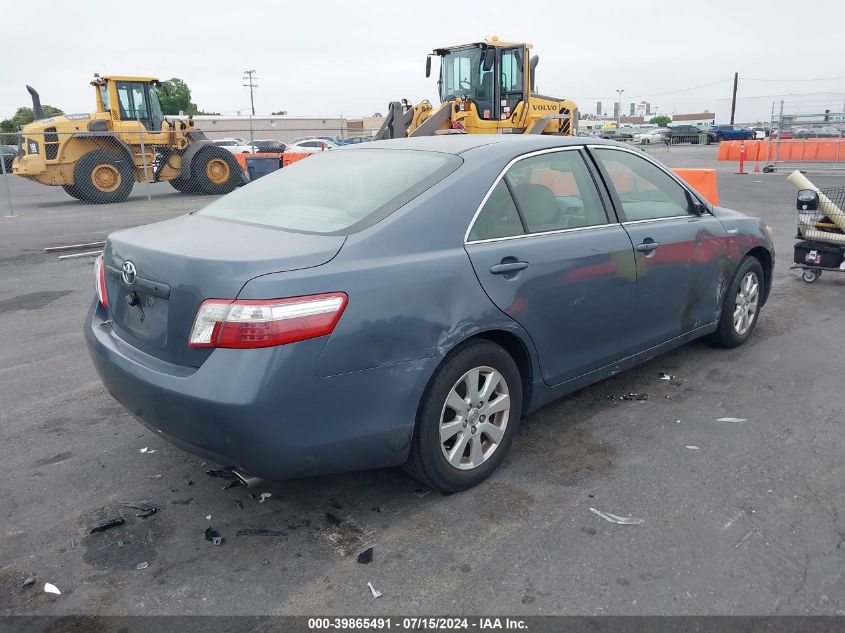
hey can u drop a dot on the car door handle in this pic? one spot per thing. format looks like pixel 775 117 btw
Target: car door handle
pixel 648 245
pixel 508 267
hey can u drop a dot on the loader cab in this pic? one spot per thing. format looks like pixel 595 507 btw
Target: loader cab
pixel 131 99
pixel 491 74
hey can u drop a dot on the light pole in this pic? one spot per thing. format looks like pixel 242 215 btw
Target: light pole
pixel 619 108
pixel 249 76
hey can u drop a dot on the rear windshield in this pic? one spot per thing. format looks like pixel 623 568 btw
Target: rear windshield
pixel 336 191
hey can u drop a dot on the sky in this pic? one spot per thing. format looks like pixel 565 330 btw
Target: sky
pixel 349 58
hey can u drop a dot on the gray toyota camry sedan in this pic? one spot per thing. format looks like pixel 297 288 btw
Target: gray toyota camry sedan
pixel 409 301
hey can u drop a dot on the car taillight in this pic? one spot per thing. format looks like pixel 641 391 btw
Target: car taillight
pixel 265 322
pixel 100 281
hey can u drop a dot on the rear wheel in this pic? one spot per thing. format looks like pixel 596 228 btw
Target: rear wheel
pixel 741 305
pixel 215 171
pixel 467 418
pixel 102 177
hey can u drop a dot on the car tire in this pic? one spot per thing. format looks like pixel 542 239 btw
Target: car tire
pixel 101 177
pixel 741 304
pixel 215 171
pixel 720 138
pixel 444 461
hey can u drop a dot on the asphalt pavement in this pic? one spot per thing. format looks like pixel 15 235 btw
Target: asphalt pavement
pixel 737 517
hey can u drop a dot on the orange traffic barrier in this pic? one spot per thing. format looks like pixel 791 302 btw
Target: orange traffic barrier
pixel 288 158
pixel 703 181
pixel 724 146
pixel 241 158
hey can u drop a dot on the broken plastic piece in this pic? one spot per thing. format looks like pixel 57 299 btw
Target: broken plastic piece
pixel 692 448
pixel 153 476
pixel 213 536
pixel 222 473
pixel 613 518
pixel 208 517
pixel 634 396
pixel 233 483
pixel 143 565
pixel 109 523
pixel 51 588
pixel 731 420
pixel 147 450
pixel 366 557
pixel 376 593
pixel 264 496
pixel 259 532
pixel 30 580
pixel 665 376
pixel 146 509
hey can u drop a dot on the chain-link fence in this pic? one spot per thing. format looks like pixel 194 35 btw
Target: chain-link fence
pixel 807 135
pixel 90 166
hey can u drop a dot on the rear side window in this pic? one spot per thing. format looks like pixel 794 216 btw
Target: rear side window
pixel 335 192
pixel 645 190
pixel 556 191
pixel 498 216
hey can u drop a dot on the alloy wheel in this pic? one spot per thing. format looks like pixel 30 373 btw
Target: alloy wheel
pixel 474 418
pixel 746 303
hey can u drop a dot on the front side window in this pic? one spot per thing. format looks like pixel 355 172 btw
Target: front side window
pixel 337 192
pixel 104 96
pixel 645 191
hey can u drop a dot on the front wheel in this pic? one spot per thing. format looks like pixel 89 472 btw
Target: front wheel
pixel 741 305
pixel 102 177
pixel 467 418
pixel 215 171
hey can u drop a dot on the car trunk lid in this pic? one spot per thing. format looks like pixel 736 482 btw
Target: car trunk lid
pixel 158 275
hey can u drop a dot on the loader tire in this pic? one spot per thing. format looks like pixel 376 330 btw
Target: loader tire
pixel 215 171
pixel 100 177
pixel 184 186
pixel 71 190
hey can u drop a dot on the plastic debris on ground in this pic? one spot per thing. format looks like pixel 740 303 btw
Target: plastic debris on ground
pixel 265 562
pixel 731 420
pixel 143 565
pixel 222 473
pixel 28 582
pixel 259 532
pixel 107 524
pixel 665 376
pixel 264 496
pixel 366 557
pixel 376 593
pixel 613 518
pixel 208 517
pixel 693 448
pixel 154 476
pixel 147 450
pixel 146 509
pixel 51 588
pixel 213 536
pixel 634 396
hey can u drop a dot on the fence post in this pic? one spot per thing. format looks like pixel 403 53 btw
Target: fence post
pixel 144 160
pixel 8 190
pixel 779 139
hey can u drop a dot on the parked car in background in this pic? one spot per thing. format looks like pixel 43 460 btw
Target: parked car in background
pixel 719 133
pixel 268 146
pixel 311 145
pixel 9 153
pixel 818 132
pixel 783 134
pixel 650 137
pixel 684 134
pixel 234 146
pixel 761 133
pixel 278 331
pixel 353 140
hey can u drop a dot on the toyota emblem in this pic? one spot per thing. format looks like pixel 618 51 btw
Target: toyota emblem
pixel 129 273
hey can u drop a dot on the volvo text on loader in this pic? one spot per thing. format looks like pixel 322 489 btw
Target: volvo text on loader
pixel 485 88
pixel 98 157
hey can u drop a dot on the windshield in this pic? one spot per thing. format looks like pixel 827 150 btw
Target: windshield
pixel 335 192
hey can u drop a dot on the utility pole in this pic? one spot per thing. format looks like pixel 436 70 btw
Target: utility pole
pixel 733 101
pixel 619 108
pixel 249 77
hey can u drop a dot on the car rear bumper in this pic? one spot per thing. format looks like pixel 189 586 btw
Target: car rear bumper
pixel 264 411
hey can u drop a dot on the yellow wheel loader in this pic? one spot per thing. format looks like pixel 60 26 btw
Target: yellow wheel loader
pixel 485 88
pixel 98 157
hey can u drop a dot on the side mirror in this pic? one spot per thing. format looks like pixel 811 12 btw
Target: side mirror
pixel 428 66
pixel 489 58
pixel 808 200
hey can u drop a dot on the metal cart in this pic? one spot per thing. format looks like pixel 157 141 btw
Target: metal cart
pixel 821 244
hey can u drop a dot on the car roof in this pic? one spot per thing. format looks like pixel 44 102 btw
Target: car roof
pixel 460 143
